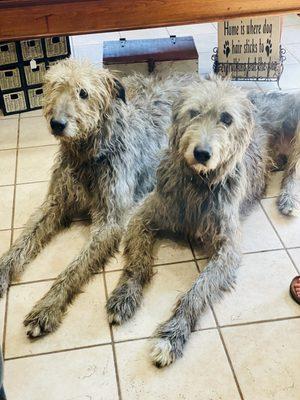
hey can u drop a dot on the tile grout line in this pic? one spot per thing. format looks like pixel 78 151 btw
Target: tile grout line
pixel 291 258
pixel 121 341
pixel 284 247
pixel 142 338
pixel 199 270
pixel 263 321
pixel 30 147
pixel 17 228
pixel 23 226
pixel 26 183
pixel 227 355
pixel 20 283
pixel 113 343
pixel 11 236
pixel 251 252
pixel 16 283
pixel 25 115
pixel 13 284
pixel 168 32
pixel 46 353
pixel 262 251
pixel 286 47
pixel 222 339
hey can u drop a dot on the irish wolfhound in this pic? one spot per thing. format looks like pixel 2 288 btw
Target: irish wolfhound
pixel 110 147
pixel 279 115
pixel 213 173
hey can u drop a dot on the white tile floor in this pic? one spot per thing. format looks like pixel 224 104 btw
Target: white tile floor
pixel 247 347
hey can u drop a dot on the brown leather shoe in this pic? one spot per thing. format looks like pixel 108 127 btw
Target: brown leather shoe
pixel 293 293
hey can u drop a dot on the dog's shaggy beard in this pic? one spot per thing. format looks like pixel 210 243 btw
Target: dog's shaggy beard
pixel 187 144
pixel 227 152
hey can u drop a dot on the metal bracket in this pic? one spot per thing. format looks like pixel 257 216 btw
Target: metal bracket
pixel 123 42
pixel 173 39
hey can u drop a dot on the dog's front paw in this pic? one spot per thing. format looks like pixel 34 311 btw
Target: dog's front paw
pixel 165 351
pixel 288 205
pixel 169 340
pixel 41 321
pixel 123 303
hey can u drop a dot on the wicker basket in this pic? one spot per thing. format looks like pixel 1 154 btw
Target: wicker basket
pixel 35 76
pixel 10 79
pixel 35 96
pixel 56 46
pixel 14 102
pixel 32 49
pixel 8 53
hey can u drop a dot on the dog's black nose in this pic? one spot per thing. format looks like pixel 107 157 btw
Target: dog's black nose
pixel 57 126
pixel 201 155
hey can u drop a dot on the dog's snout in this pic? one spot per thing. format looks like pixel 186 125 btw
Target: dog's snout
pixel 202 155
pixel 57 126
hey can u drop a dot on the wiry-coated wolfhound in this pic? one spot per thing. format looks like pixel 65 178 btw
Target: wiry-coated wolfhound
pixel 111 137
pixel 279 115
pixel 212 175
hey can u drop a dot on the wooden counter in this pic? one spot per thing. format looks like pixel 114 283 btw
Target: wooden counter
pixel 28 19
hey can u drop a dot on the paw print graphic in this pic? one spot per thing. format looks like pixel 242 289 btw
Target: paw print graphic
pixel 226 50
pixel 269 47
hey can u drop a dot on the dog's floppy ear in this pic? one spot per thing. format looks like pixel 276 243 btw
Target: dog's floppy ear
pixel 120 90
pixel 174 132
pixel 177 106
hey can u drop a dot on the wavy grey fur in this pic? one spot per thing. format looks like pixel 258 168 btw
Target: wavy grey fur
pixel 198 203
pixel 279 115
pixel 104 171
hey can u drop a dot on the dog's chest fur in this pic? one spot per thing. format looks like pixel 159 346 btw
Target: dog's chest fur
pixel 90 173
pixel 195 205
pixel 203 210
pixel 86 182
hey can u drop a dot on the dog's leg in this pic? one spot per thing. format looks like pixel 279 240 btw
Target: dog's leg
pixel 218 276
pixel 38 231
pixel 288 201
pixel 48 312
pixel 127 296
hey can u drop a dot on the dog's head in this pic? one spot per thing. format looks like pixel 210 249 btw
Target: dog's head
pixel 212 124
pixel 77 96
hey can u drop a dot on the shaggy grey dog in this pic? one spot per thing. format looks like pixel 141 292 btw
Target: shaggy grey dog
pixel 279 115
pixel 212 175
pixel 111 137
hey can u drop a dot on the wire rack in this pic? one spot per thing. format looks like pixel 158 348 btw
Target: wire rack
pixel 272 70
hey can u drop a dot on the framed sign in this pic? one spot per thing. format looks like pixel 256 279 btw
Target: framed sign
pixel 249 48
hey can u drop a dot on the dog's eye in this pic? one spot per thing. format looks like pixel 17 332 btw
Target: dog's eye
pixel 83 94
pixel 194 113
pixel 226 118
